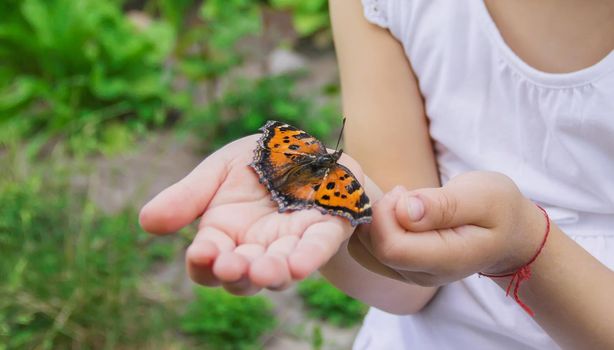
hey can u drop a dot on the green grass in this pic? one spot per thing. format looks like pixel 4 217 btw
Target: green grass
pixel 228 322
pixel 81 70
pixel 79 76
pixel 71 275
pixel 247 105
pixel 326 302
pixel 74 278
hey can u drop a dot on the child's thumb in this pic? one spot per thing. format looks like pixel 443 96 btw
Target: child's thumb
pixel 437 208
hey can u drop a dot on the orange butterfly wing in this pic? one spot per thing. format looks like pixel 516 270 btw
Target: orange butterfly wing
pixel 284 161
pixel 341 194
pixel 281 148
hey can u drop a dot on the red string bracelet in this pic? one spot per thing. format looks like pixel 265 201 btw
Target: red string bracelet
pixel 524 272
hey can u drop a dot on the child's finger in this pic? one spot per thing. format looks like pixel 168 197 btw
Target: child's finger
pixel 394 246
pixel 271 270
pixel 231 266
pixel 363 254
pixel 217 237
pixel 384 206
pixel 317 245
pixel 231 269
pixel 382 237
pixel 451 206
pixel 200 256
pixel 243 253
pixel 243 287
pixel 199 263
pixel 184 201
pixel 250 251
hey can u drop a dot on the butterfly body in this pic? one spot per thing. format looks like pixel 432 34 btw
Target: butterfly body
pixel 300 173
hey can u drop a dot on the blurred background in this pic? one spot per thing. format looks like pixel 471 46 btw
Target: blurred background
pixel 103 103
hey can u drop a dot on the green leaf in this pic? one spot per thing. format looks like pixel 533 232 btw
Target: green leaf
pixel 115 138
pixel 326 302
pixel 18 94
pixel 225 321
pixel 37 15
pixel 309 23
pixel 73 59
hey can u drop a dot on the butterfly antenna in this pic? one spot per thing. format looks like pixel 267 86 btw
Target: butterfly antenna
pixel 340 134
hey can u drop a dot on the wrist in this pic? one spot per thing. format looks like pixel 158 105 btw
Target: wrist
pixel 524 238
pixel 534 232
pixel 523 272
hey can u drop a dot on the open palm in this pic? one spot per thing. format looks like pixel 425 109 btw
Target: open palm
pixel 243 242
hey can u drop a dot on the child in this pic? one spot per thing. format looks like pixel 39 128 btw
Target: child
pixel 494 101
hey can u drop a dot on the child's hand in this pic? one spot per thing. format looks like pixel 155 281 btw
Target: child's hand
pixel 477 222
pixel 243 243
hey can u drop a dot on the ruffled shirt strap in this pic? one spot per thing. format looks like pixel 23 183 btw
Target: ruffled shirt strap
pixel 376 12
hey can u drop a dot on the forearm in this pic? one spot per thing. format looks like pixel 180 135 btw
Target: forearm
pixel 387 133
pixel 375 289
pixel 571 294
pixel 371 285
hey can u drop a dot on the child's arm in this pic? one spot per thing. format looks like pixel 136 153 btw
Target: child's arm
pixel 387 133
pixel 386 128
pixel 480 222
pixel 364 277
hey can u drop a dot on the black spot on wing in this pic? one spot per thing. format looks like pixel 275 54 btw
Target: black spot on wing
pixel 301 136
pixel 268 131
pixel 362 201
pixel 294 147
pixel 355 216
pixel 353 186
pixel 288 128
pixel 330 185
pixel 286 201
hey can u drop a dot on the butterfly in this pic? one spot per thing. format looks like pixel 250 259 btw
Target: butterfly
pixel 299 173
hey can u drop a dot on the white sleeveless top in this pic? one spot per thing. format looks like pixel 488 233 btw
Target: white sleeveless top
pixel 553 134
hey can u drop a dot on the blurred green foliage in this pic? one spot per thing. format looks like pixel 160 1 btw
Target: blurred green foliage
pixel 95 76
pixel 78 69
pixel 227 322
pixel 326 302
pixel 70 276
pixel 317 340
pixel 92 76
pixel 248 104
pixel 308 16
pixel 209 50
